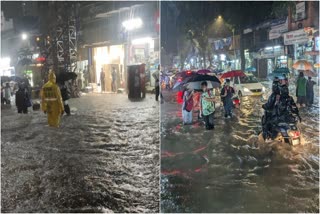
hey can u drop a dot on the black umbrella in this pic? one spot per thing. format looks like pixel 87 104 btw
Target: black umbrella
pixel 66 76
pixel 195 81
pixel 204 77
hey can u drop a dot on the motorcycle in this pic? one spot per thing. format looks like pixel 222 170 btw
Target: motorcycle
pixel 284 130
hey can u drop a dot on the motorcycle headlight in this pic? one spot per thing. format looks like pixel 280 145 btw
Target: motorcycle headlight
pixel 246 90
pixel 263 89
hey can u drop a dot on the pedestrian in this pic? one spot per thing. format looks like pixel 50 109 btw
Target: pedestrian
pixel 301 90
pixel 310 93
pixel 22 100
pixel 65 94
pixel 207 106
pixel 156 75
pixel 7 94
pixel 227 93
pixel 102 80
pixel 187 106
pixel 114 80
pixel 52 101
pixel 167 81
pixel 2 95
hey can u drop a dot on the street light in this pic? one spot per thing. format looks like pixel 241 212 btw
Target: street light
pixel 142 41
pixel 132 24
pixel 24 36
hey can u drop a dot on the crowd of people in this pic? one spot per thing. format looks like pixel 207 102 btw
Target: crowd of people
pixel 279 105
pixel 54 99
pixel 207 103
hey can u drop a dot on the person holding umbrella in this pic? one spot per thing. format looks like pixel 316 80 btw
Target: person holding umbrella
pixel 227 93
pixel 207 106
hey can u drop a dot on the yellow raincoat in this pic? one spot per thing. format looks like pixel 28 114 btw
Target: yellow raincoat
pixel 52 101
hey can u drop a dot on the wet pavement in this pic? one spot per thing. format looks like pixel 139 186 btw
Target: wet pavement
pixel 104 158
pixel 230 169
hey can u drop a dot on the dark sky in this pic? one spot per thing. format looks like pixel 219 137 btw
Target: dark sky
pixel 175 14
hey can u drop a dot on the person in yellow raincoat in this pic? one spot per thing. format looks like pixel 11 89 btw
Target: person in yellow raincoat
pixel 52 103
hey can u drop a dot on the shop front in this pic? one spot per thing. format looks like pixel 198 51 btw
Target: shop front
pixel 106 59
pixel 302 42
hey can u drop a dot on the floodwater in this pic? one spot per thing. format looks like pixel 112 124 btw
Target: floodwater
pixel 230 170
pixel 104 158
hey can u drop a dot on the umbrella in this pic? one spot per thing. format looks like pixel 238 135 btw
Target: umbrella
pixel 65 76
pixel 178 86
pixel 302 65
pixel 234 73
pixel 317 65
pixel 251 69
pixel 197 85
pixel 309 73
pixel 281 71
pixel 203 71
pixel 195 81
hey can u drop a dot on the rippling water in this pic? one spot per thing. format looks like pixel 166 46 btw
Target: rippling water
pixel 230 170
pixel 104 158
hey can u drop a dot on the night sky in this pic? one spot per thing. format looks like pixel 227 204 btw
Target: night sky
pixel 176 14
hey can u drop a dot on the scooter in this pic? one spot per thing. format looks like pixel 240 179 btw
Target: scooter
pixel 285 131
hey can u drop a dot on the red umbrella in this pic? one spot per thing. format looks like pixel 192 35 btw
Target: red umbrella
pixel 203 71
pixel 234 73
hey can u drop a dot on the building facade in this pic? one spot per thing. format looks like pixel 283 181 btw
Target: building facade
pixel 116 34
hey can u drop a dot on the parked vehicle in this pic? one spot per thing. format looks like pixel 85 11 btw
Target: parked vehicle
pixel 247 85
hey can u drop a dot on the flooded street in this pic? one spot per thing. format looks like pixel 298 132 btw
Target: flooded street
pixel 230 170
pixel 103 158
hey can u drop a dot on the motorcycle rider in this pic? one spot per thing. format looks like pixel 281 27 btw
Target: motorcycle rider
pixel 269 108
pixel 287 107
pixel 280 108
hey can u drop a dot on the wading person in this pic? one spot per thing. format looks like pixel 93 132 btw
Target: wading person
pixel 22 100
pixel 7 94
pixel 102 80
pixel 51 101
pixel 187 106
pixel 301 90
pixel 114 80
pixel 310 93
pixel 207 106
pixel 157 86
pixel 65 94
pixel 227 93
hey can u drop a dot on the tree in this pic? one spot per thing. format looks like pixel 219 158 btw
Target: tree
pixel 184 47
pixel 280 8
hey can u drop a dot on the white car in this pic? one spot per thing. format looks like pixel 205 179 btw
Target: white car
pixel 247 86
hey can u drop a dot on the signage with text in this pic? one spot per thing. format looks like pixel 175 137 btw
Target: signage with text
pixel 296 37
pixel 277 30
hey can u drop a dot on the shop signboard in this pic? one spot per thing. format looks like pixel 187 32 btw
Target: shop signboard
pixel 296 37
pixel 277 30
pixel 272 53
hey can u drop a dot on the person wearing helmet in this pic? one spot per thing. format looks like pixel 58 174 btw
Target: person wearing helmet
pixel 269 108
pixel 287 106
pixel 52 103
